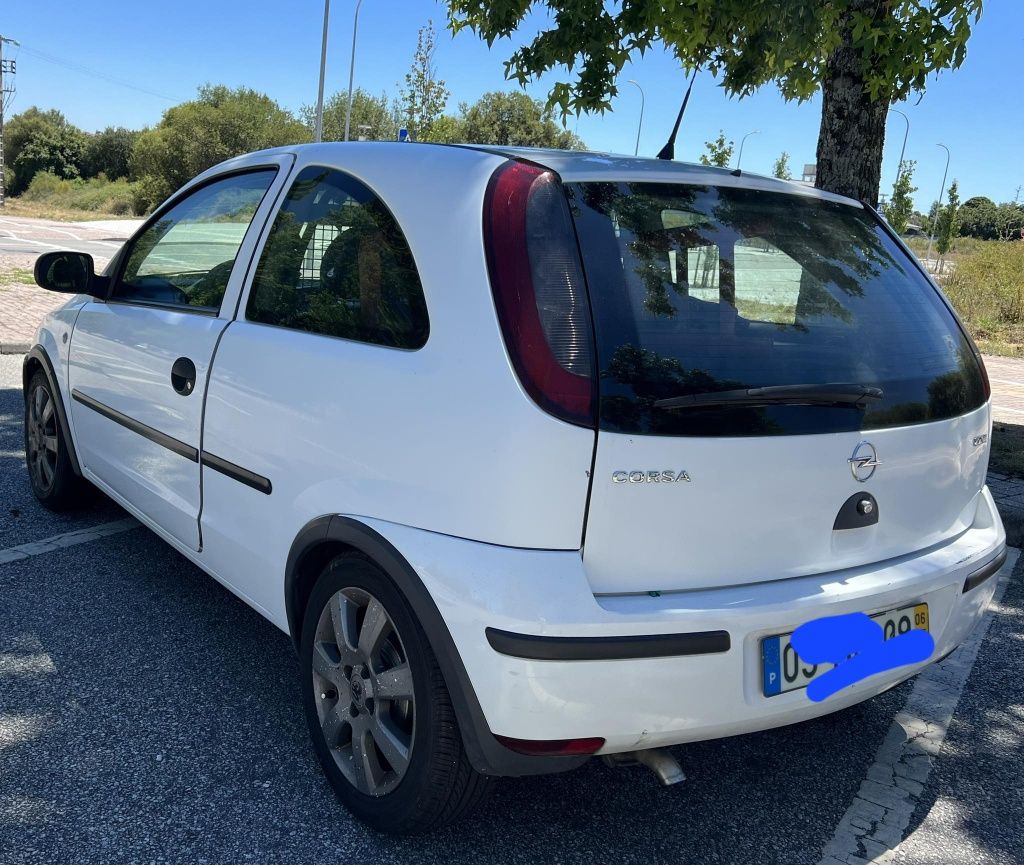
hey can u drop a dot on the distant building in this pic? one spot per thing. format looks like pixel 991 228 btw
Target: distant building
pixel 810 172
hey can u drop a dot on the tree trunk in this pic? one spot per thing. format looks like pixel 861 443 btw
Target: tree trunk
pixel 852 131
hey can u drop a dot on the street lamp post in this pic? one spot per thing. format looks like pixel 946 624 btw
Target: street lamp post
pixel 906 134
pixel 938 210
pixel 640 124
pixel 743 141
pixel 352 68
pixel 318 132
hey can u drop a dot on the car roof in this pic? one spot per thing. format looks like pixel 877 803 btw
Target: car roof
pixel 577 166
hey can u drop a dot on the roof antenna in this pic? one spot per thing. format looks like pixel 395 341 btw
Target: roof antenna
pixel 669 150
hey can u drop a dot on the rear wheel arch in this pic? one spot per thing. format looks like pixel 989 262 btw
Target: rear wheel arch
pixel 38 359
pixel 326 537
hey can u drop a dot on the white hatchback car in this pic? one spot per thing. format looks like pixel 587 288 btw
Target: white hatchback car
pixel 535 455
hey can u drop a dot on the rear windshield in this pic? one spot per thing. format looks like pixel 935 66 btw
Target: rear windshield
pixel 699 289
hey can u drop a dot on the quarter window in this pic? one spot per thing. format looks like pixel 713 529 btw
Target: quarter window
pixel 336 263
pixel 185 257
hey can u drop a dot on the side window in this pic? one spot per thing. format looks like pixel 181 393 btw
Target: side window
pixel 336 263
pixel 186 256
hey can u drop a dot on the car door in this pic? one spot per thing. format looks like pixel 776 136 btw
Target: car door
pixel 138 360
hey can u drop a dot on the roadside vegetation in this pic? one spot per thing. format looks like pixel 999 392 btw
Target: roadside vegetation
pixel 987 288
pixel 56 170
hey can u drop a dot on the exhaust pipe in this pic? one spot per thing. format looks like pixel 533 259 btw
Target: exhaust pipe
pixel 658 760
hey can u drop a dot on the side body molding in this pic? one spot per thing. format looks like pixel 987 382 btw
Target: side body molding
pixel 38 357
pixel 485 753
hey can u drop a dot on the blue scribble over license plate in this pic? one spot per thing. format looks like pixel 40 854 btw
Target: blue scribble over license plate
pixel 781 667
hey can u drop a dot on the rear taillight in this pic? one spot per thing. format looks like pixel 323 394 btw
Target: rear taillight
pixel 984 376
pixel 539 292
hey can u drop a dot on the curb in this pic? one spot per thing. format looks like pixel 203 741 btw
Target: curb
pixel 15 347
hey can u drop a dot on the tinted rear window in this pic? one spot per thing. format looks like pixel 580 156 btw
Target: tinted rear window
pixel 699 289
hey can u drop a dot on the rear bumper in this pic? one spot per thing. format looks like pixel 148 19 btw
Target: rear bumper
pixel 542 677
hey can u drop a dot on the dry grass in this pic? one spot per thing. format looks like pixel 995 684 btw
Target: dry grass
pixel 43 210
pixel 987 289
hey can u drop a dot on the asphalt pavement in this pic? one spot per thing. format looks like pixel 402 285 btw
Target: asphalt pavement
pixel 26 235
pixel 147 715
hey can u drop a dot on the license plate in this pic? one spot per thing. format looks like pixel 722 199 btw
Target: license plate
pixel 783 670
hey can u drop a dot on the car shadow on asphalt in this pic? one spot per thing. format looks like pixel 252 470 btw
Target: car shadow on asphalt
pixel 147 713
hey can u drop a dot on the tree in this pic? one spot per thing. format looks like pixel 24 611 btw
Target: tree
pixel 109 152
pixel 719 151
pixel 446 130
pixel 513 118
pixel 901 206
pixel 41 141
pixel 374 118
pixel 948 225
pixel 218 124
pixel 781 167
pixel 979 218
pixel 425 95
pixel 1010 221
pixel 862 54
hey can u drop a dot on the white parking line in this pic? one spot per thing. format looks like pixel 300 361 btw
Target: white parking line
pixel 68 539
pixel 872 827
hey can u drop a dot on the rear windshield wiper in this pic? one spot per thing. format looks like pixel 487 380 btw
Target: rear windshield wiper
pixel 853 395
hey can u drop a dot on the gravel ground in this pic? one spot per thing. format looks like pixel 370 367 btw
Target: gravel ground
pixel 147 715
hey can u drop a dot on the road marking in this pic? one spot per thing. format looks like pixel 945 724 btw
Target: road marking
pixel 872 828
pixel 997 408
pixel 12 236
pixel 68 539
pixel 1008 381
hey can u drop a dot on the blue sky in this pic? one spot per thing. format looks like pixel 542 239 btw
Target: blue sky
pixel 168 49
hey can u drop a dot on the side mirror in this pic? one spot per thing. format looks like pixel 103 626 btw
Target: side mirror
pixel 70 273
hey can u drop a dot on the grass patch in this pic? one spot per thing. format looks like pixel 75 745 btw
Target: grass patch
pixel 987 289
pixel 16 276
pixel 1007 449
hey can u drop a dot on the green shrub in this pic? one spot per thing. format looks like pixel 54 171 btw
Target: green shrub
pixel 97 194
pixel 987 289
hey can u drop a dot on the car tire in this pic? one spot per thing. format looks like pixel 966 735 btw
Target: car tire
pixel 47 454
pixel 378 709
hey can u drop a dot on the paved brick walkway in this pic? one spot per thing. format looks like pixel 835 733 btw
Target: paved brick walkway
pixel 22 308
pixel 1007 377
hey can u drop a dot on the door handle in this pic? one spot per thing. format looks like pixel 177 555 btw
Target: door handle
pixel 183 376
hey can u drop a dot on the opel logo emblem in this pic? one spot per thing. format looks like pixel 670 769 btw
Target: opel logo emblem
pixel 863 462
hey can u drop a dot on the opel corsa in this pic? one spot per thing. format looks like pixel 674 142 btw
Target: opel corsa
pixel 535 455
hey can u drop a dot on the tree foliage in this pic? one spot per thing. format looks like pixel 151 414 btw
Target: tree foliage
pixel 900 207
pixel 375 118
pixel 948 224
pixel 513 118
pixel 781 167
pixel 747 43
pixel 218 124
pixel 37 141
pixel 719 151
pixel 857 51
pixel 425 95
pixel 981 217
pixel 109 153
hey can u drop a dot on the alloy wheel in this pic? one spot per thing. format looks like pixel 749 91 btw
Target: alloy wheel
pixel 363 688
pixel 41 438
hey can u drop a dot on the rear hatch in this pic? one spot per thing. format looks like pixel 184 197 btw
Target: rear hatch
pixel 763 359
